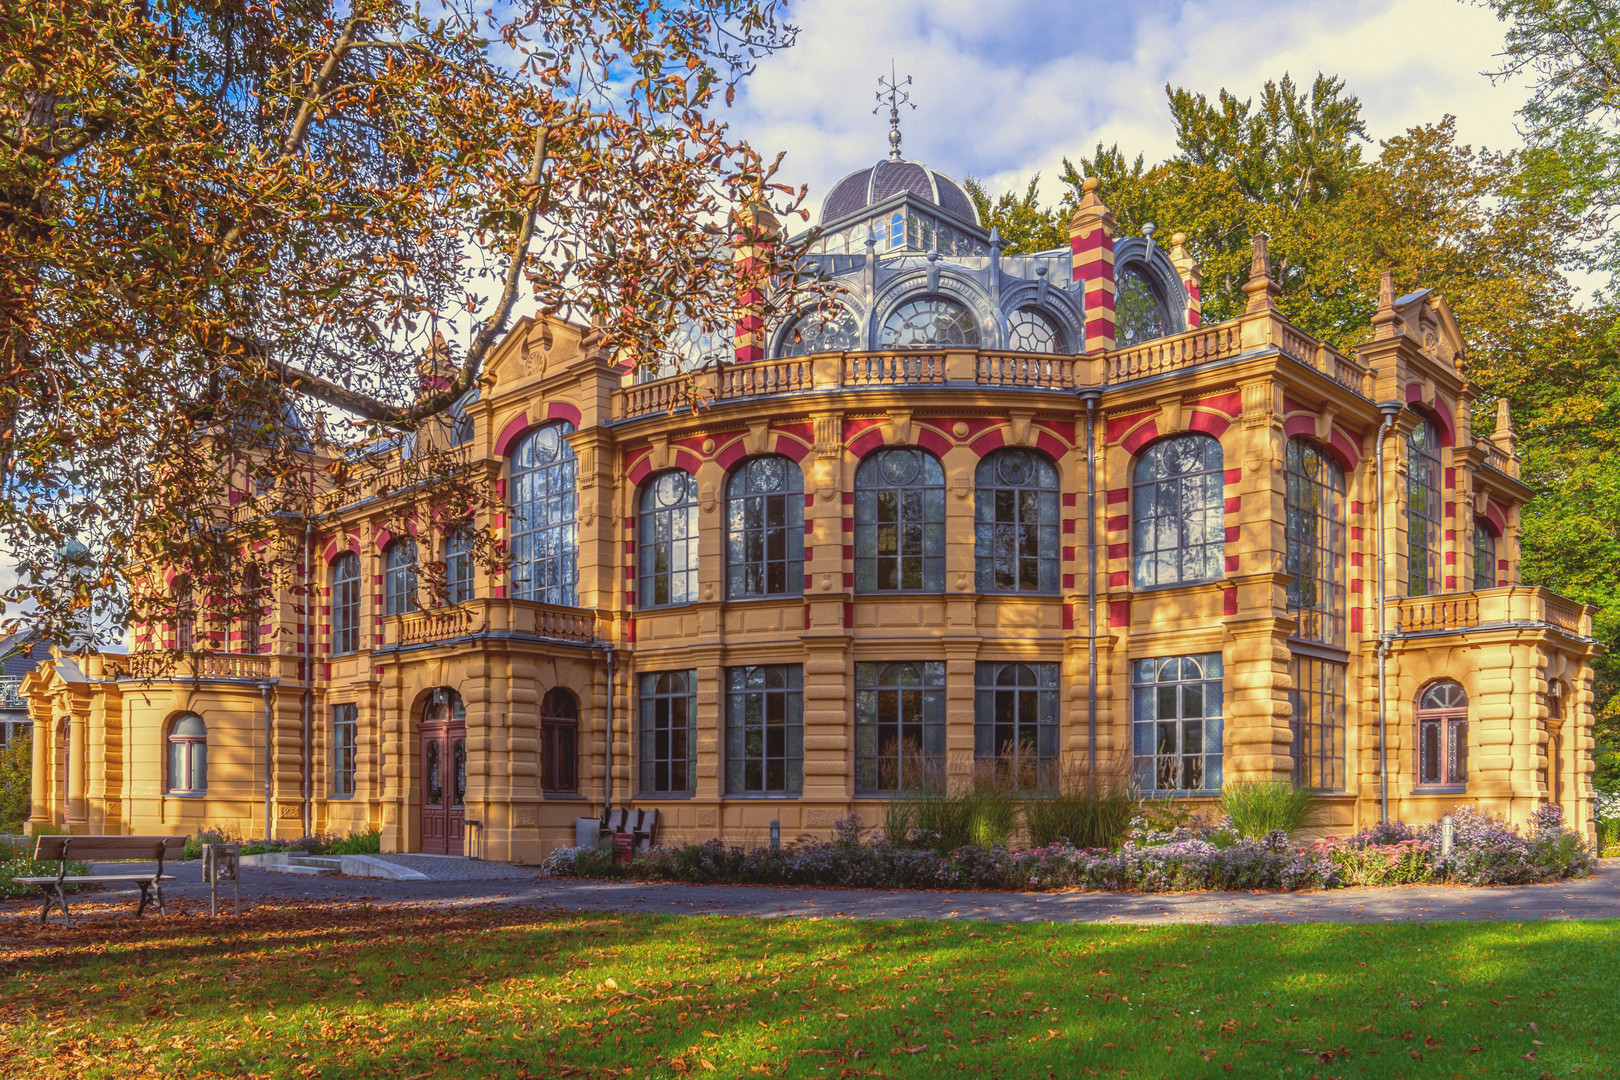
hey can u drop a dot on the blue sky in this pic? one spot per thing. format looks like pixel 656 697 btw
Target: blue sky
pixel 1006 89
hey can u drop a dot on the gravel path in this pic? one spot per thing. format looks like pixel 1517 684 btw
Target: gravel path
pixel 463 881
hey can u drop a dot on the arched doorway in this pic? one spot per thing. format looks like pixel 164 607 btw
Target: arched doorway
pixel 443 771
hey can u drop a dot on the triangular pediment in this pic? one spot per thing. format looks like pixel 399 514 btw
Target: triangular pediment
pixel 1426 319
pixel 534 348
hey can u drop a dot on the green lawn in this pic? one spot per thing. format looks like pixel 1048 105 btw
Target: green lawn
pixel 355 992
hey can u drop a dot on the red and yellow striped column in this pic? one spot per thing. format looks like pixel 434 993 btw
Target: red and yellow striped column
pixel 1091 246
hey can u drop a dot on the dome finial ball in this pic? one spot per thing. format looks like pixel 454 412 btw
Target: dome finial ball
pixel 1089 184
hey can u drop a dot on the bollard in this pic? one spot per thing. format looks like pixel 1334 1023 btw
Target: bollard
pixel 776 835
pixel 1448 829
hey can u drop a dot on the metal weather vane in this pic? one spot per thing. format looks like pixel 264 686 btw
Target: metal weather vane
pixel 891 89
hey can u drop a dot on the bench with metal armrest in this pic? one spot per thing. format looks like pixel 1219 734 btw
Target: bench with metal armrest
pixel 102 849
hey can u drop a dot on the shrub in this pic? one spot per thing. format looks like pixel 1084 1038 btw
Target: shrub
pixel 1405 862
pixel 368 842
pixel 983 812
pixel 1258 807
pixel 356 843
pixel 1606 809
pixel 16 861
pixel 1087 810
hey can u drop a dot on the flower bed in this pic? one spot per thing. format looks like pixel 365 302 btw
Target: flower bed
pixel 360 843
pixel 1196 856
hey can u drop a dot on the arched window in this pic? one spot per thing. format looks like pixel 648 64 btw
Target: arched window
pixel 822 331
pixel 545 531
pixel 1015 529
pixel 668 536
pixel 1140 313
pixel 458 566
pixel 1484 555
pixel 559 742
pixel 765 528
pixel 1178 730
pixel 897 231
pixel 1423 509
pixel 899 726
pixel 668 732
pixel 1314 503
pixel 185 615
pixel 252 609
pixel 1178 512
pixel 1028 330
pixel 931 321
pixel 399 577
pixel 1442 721
pixel 346 603
pixel 899 522
pixel 765 729
pixel 1015 723
pixel 188 755
pixel 345 736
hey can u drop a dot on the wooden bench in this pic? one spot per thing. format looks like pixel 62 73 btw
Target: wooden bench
pixel 103 848
pixel 642 825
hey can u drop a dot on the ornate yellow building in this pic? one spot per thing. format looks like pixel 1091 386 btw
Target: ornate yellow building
pixel 1016 509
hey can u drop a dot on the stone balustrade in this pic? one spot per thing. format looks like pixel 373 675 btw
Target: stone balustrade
pixel 502 617
pixel 1513 605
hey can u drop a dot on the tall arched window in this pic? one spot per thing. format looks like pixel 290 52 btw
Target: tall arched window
pixel 765 528
pixel 399 577
pixel 346 603
pixel 188 755
pixel 1028 330
pixel 820 331
pixel 1178 509
pixel 1015 722
pixel 668 732
pixel 1423 509
pixel 1015 529
pixel 667 532
pixel 185 615
pixel 252 609
pixel 545 531
pixel 1139 311
pixel 931 321
pixel 1442 722
pixel 559 742
pixel 899 726
pixel 1484 555
pixel 1314 503
pixel 458 566
pixel 899 522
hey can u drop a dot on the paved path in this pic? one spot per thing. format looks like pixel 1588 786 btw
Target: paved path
pixel 1593 898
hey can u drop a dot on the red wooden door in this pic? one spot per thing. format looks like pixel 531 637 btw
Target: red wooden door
pixel 444 772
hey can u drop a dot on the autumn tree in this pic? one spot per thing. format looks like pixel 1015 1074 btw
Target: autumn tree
pixel 263 245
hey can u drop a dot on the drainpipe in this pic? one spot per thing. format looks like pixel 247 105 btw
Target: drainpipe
pixel 607 779
pixel 310 599
pixel 269 751
pixel 1091 397
pixel 1390 409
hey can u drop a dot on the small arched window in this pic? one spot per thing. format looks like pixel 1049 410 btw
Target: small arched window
pixel 458 566
pixel 822 331
pixel 545 530
pixel 559 742
pixel 1442 721
pixel 1484 555
pixel 1178 512
pixel 1423 509
pixel 1015 528
pixel 188 755
pixel 399 578
pixel 765 528
pixel 1314 502
pixel 346 603
pixel 1140 313
pixel 929 322
pixel 252 609
pixel 897 231
pixel 900 522
pixel 1029 330
pixel 667 533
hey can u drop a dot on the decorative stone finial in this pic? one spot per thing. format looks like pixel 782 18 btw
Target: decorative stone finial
pixel 1262 290
pixel 1386 321
pixel 891 89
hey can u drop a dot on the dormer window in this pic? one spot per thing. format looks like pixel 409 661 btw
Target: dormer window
pixel 1139 311
pixel 1030 331
pixel 932 321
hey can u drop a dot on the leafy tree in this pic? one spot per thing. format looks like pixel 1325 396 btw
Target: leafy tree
pixel 16 785
pixel 216 215
pixel 1025 227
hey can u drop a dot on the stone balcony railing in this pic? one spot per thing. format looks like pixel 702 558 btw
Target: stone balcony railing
pixel 1518 605
pixel 496 617
pixel 236 667
pixel 924 368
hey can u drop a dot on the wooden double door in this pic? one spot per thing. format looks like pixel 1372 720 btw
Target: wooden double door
pixel 443 768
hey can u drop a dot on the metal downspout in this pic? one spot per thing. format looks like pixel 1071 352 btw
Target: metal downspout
pixel 1091 398
pixel 269 749
pixel 309 671
pixel 607 779
pixel 1390 409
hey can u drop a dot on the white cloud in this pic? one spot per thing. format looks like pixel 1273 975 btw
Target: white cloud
pixel 1008 89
